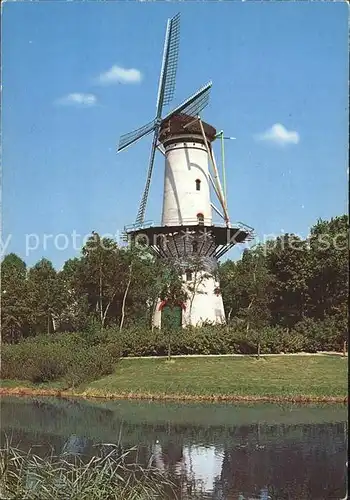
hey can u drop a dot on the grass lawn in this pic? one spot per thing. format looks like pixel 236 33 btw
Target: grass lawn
pixel 279 377
pixel 285 377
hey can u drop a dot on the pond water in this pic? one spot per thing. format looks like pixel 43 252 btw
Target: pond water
pixel 224 451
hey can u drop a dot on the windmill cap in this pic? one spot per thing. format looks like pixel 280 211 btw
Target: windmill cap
pixel 174 126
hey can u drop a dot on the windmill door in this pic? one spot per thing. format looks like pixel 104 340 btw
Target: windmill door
pixel 171 317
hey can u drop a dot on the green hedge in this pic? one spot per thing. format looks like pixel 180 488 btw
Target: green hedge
pixel 205 340
pixel 308 336
pixel 80 357
pixel 52 360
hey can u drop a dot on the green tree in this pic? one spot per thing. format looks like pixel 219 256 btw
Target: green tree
pixel 75 313
pixel 255 281
pixel 329 268
pixel 170 288
pixel 102 271
pixel 199 275
pixel 329 274
pixel 247 288
pixel 140 285
pixel 14 306
pixel 45 297
pixel 288 262
pixel 231 288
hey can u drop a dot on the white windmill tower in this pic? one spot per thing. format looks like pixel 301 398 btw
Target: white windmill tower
pixel 186 233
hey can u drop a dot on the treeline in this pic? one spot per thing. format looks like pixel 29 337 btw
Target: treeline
pixel 105 286
pixel 289 281
pixel 288 284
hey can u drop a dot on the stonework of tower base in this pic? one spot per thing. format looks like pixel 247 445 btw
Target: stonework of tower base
pixel 191 247
pixel 203 306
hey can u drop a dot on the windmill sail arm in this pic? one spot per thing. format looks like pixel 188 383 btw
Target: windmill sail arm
pixel 166 83
pixel 194 104
pixel 131 137
pixel 166 87
pixel 160 96
pixel 142 208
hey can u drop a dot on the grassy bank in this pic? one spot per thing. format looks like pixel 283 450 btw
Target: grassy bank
pixel 274 378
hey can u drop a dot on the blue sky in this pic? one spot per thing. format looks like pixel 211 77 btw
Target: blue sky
pixel 270 64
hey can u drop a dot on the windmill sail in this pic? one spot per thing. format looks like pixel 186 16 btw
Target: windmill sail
pixel 166 89
pixel 166 82
pixel 194 104
pixel 165 94
pixel 142 208
pixel 127 139
pixel 167 78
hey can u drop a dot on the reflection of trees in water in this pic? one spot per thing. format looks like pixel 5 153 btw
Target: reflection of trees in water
pixel 310 467
pixel 293 461
pixel 304 462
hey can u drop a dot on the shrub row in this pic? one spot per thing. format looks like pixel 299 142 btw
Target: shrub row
pixel 81 357
pixel 308 336
pixel 51 361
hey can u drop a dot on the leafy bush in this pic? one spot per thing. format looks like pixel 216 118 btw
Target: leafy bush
pixel 37 363
pixel 90 364
pixel 293 341
pixel 191 340
pixel 53 361
pixel 308 336
pixel 326 335
pixel 80 357
pixel 71 340
pixel 271 339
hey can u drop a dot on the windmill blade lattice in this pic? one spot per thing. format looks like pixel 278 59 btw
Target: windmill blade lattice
pixel 131 137
pixel 166 82
pixel 169 64
pixel 165 94
pixel 142 208
pixel 194 104
pixel 166 89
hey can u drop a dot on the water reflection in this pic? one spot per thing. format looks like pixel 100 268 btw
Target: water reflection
pixel 214 451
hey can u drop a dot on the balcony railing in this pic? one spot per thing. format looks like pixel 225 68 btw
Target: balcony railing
pixel 186 222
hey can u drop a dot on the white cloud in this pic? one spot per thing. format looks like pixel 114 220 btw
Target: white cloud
pixel 78 99
pixel 278 134
pixel 117 74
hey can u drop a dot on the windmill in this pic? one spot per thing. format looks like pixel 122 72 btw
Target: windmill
pixel 186 234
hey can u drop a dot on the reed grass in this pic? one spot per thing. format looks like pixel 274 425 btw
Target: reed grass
pixel 107 475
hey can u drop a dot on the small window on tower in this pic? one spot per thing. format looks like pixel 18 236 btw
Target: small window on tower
pixel 198 185
pixel 200 218
pixel 188 275
pixel 195 247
